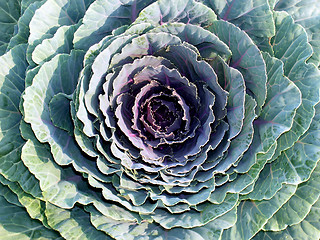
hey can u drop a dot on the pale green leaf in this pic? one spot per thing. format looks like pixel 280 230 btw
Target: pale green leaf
pixel 53 14
pixel 73 223
pixel 293 166
pixel 61 42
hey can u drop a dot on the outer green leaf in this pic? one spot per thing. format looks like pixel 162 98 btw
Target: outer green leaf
pixel 15 223
pixel 23 24
pixel 299 205
pixel 34 206
pixel 308 229
pixel 291 46
pixel 9 15
pixel 307 14
pixel 12 76
pixel 26 3
pixel 283 98
pixel 7 194
pixel 294 165
pixel 276 117
pixel 253 215
pixel 252 16
pixel 11 86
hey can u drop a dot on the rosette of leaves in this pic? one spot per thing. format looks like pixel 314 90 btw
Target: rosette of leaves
pixel 144 119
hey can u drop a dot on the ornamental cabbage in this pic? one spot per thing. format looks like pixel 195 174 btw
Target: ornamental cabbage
pixel 168 119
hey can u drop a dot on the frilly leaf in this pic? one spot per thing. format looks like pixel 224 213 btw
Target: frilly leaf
pixel 294 165
pixel 12 74
pixel 62 187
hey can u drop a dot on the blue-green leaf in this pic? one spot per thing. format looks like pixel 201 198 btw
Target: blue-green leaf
pixel 243 51
pixel 308 229
pixel 307 14
pixel 9 16
pixel 299 205
pixel 254 214
pixel 252 16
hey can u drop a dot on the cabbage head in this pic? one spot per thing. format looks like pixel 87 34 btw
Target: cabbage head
pixel 166 120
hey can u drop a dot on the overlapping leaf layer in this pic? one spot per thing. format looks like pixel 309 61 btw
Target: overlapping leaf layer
pixel 144 119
